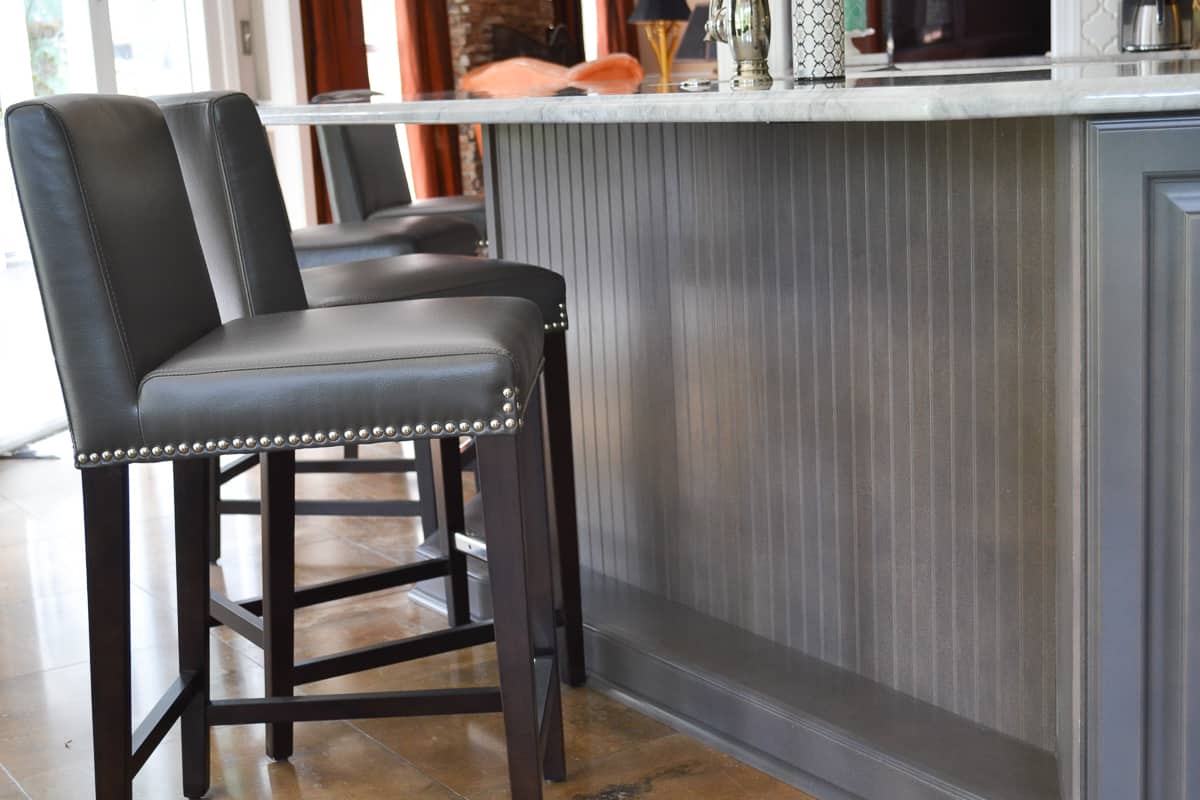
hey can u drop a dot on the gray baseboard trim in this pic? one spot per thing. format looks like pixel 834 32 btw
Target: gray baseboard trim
pixel 825 730
pixel 760 761
pixel 810 718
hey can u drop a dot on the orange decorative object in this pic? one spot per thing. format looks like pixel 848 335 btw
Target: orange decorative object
pixel 618 73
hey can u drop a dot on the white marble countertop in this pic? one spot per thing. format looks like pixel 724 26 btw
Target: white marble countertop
pixel 945 91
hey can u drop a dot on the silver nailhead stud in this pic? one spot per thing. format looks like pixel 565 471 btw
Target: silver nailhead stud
pixel 377 432
pixel 293 439
pixel 81 458
pixel 506 392
pixel 349 435
pixel 363 433
pixel 510 423
pixel 306 438
pixel 478 425
pixel 94 457
pixel 144 452
pixel 334 436
pixel 237 442
pixel 318 437
pixel 156 451
pixel 264 441
pixel 391 430
pixel 494 424
pixel 183 448
pixel 451 427
pixel 280 441
pixel 198 447
pixel 507 408
pixel 118 454
pixel 169 449
pixel 406 430
pixel 434 428
pixel 210 445
pixel 420 429
pixel 222 444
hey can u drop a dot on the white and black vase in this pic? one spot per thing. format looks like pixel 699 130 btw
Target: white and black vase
pixel 818 39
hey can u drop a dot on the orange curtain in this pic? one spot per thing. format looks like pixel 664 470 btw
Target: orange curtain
pixel 424 32
pixel 615 34
pixel 335 57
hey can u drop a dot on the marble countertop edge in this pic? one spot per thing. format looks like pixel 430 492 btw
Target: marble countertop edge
pixel 1138 94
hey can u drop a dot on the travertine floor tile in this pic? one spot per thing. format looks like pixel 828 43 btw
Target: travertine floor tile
pixel 45 729
pixel 673 767
pixel 9 790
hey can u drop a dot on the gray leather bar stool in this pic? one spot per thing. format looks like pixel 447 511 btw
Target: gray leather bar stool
pixel 446 225
pixel 318 245
pixel 243 230
pixel 364 172
pixel 150 373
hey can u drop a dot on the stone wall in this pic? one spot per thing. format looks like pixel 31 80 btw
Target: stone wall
pixel 471 23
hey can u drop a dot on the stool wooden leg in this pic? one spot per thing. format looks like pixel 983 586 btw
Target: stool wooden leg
pixel 350 451
pixel 213 465
pixel 426 485
pixel 106 544
pixel 562 469
pixel 448 491
pixel 195 480
pixel 512 469
pixel 278 471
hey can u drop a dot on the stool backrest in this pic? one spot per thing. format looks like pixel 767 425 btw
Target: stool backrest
pixel 364 168
pixel 240 213
pixel 118 261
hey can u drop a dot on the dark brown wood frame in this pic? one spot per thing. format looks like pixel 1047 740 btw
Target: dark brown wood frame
pixel 524 627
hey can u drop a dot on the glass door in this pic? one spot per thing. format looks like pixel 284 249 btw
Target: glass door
pixel 51 47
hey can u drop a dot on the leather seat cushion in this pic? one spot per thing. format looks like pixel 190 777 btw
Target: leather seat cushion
pixel 340 242
pixel 462 205
pixel 425 275
pixel 426 362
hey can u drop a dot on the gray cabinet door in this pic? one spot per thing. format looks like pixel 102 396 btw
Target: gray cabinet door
pixel 1143 462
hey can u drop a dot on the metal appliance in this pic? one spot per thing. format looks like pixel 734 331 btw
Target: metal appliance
pixel 1155 25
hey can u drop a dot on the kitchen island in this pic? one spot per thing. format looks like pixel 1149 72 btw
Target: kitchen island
pixel 886 398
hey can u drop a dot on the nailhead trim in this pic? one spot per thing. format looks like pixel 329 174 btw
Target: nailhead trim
pixel 376 433
pixel 561 324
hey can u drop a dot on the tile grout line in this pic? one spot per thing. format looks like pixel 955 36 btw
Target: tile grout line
pixel 15 782
pixel 402 759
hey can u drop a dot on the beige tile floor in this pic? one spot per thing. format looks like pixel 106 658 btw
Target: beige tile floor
pixel 613 752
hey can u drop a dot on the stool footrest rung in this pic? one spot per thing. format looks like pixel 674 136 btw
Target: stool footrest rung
pixel 332 508
pixel 371 705
pixel 377 581
pixel 356 465
pixel 381 655
pixel 160 719
pixel 223 611
pixel 243 464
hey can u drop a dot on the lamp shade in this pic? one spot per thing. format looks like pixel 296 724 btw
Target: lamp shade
pixel 654 10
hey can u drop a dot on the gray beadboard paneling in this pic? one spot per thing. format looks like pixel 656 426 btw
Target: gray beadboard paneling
pixel 813 372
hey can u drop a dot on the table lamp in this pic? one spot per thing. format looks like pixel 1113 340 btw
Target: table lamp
pixel 663 20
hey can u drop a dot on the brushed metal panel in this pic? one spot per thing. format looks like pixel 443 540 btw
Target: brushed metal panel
pixel 813 370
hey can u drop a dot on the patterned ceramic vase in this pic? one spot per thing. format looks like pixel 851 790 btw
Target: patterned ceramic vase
pixel 818 39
